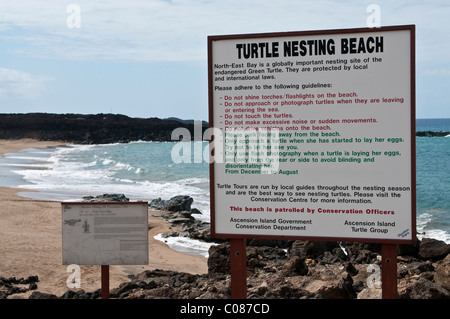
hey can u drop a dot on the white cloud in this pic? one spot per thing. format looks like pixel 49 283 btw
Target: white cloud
pixel 152 30
pixel 157 30
pixel 15 84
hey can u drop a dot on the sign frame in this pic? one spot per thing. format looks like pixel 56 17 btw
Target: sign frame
pixel 333 32
pixel 116 207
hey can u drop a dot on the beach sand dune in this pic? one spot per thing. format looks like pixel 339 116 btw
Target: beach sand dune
pixel 31 241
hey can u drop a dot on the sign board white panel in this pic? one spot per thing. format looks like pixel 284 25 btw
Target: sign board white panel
pixel 317 134
pixel 110 233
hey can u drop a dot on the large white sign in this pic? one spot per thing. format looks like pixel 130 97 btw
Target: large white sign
pixel 105 233
pixel 317 134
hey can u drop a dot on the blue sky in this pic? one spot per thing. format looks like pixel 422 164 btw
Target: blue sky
pixel 148 58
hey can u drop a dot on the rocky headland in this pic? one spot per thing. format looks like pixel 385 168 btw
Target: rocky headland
pixel 276 269
pixel 90 129
pixel 432 133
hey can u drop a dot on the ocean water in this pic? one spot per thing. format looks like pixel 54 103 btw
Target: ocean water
pixel 433 180
pixel 146 170
pixel 139 170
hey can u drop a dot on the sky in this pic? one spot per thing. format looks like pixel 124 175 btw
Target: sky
pixel 148 58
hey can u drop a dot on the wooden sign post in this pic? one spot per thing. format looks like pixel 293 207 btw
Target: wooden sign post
pixel 238 263
pixel 105 281
pixel 389 271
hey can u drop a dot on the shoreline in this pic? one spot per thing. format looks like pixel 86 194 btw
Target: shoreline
pixel 30 233
pixel 15 146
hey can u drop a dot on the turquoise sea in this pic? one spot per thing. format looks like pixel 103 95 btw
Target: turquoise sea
pixel 433 180
pixel 145 171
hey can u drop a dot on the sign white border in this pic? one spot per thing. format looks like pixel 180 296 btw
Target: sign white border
pixel 391 76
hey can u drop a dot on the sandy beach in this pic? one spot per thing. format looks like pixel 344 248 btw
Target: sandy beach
pixel 31 240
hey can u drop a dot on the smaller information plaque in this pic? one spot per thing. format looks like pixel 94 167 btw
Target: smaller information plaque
pixel 112 233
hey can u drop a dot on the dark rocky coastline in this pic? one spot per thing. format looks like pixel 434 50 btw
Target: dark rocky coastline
pixel 276 269
pixel 89 129
pixel 432 133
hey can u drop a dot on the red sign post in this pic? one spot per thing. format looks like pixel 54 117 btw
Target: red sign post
pixel 389 271
pixel 105 281
pixel 238 258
